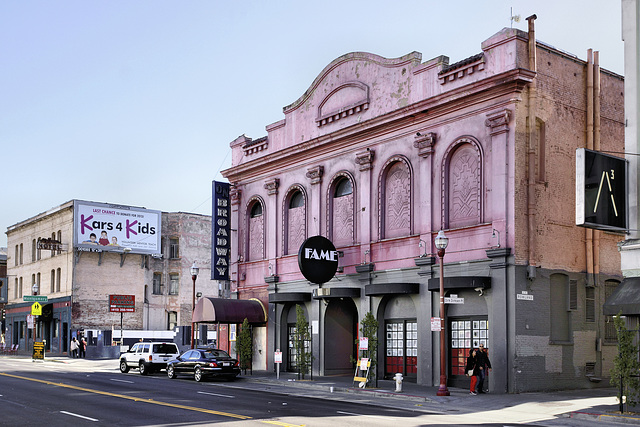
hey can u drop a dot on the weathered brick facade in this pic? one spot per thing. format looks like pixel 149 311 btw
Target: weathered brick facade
pixel 78 283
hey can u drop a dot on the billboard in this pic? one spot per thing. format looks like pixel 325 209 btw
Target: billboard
pixel 221 230
pixel 122 303
pixel 102 227
pixel 601 191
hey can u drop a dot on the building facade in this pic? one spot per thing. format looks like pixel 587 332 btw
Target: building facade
pixel 380 154
pixel 77 277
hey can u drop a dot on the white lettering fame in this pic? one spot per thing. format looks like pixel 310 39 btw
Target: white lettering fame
pixel 310 253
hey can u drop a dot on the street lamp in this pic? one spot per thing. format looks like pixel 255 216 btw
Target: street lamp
pixel 194 276
pixel 35 288
pixel 441 242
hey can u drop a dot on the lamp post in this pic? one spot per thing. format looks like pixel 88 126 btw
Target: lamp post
pixel 194 276
pixel 441 242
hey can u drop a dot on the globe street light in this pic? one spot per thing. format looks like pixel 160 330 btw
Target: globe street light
pixel 441 242
pixel 194 276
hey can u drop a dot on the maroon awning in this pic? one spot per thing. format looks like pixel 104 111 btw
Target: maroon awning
pixel 220 310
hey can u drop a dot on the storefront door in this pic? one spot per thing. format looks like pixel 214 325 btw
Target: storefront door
pixel 465 334
pixel 401 344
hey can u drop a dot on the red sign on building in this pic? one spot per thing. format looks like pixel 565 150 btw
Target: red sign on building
pixel 122 303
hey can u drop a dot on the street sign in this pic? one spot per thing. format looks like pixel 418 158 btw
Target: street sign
pixel 30 322
pixel 524 296
pixel 39 298
pixel 364 343
pixel 278 357
pixel 435 324
pixel 36 309
pixel 453 299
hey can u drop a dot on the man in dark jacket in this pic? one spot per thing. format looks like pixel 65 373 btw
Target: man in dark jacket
pixel 483 364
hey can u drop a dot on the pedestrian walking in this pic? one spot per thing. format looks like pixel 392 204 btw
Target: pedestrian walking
pixel 74 347
pixel 484 363
pixel 472 370
pixel 82 347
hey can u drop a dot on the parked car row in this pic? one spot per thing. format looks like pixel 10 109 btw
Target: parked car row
pixel 200 363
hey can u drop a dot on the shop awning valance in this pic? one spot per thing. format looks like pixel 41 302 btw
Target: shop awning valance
pixel 625 299
pixel 221 310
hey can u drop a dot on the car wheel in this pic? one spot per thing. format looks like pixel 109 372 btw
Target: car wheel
pixel 197 375
pixel 142 367
pixel 171 373
pixel 124 368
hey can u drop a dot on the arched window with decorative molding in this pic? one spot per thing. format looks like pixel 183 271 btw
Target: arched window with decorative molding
pixel 462 184
pixel 295 220
pixel 395 199
pixel 255 238
pixel 341 205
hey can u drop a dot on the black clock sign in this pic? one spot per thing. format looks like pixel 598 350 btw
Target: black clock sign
pixel 601 191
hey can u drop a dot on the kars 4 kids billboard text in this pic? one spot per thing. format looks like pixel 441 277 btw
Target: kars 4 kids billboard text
pixel 105 227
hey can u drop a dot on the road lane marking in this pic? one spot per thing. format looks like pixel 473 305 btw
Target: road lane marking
pixel 363 415
pixel 78 415
pixel 122 381
pixel 280 423
pixel 216 394
pixel 135 399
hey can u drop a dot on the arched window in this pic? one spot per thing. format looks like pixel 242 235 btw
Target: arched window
pixel 396 200
pixel 342 210
pixel 462 186
pixel 295 221
pixel 256 231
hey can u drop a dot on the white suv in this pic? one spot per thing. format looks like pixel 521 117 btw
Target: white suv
pixel 148 356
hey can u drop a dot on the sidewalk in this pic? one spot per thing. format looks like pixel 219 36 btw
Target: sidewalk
pixel 599 404
pixel 590 404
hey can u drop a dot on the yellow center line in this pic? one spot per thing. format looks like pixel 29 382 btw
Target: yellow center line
pixel 135 399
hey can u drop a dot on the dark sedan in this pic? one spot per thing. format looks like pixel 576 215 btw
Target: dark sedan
pixel 204 363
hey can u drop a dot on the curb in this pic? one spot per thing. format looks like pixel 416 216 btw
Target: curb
pixel 352 390
pixel 588 416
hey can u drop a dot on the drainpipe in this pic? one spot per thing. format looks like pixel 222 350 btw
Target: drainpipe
pixel 596 146
pixel 531 152
pixel 589 140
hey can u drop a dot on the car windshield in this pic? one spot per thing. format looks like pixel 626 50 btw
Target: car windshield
pixel 165 348
pixel 214 354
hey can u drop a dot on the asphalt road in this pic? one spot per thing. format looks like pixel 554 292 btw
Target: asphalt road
pixel 49 394
pixel 57 394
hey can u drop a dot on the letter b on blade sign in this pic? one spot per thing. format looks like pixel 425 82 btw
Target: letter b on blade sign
pixel 318 259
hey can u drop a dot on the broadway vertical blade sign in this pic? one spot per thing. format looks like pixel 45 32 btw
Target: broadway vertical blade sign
pixel 221 230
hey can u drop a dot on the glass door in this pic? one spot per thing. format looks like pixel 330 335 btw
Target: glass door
pixel 465 334
pixel 401 344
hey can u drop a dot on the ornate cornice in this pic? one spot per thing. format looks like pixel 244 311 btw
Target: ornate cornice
pixel 272 186
pixel 425 143
pixel 365 159
pixel 315 174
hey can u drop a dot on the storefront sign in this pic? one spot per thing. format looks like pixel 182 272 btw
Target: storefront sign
pixel 601 190
pixel 38 350
pixel 122 303
pixel 318 259
pixel 220 240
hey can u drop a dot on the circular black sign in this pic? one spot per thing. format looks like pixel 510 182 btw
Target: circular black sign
pixel 318 259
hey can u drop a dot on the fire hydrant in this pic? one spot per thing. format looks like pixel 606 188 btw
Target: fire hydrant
pixel 398 383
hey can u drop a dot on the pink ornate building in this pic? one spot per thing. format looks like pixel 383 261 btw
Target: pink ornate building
pixel 380 154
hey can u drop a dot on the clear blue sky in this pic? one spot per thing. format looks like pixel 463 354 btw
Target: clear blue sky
pixel 136 102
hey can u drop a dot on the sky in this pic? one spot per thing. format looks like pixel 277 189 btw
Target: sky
pixel 136 102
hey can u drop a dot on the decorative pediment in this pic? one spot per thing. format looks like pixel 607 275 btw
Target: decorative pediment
pixel 346 100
